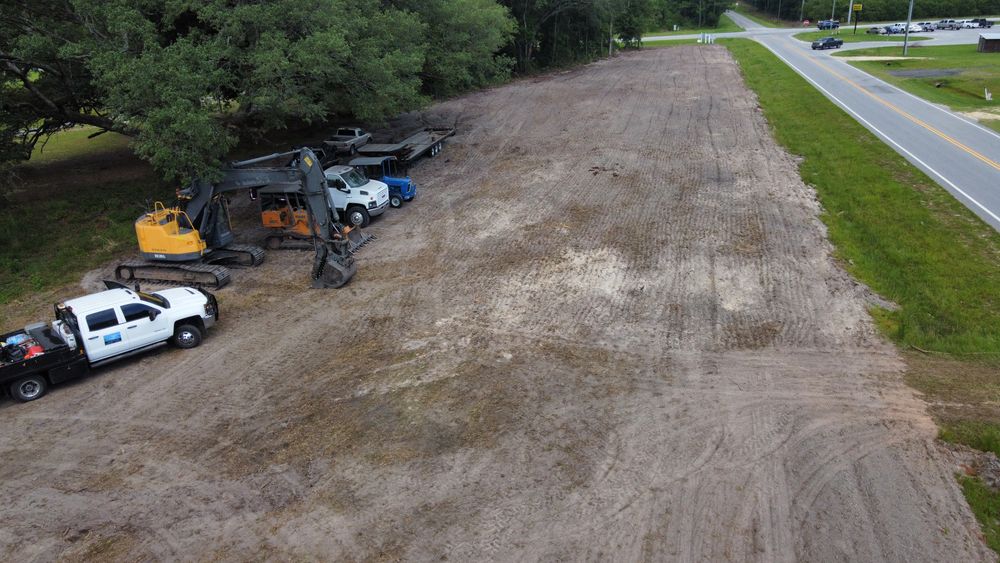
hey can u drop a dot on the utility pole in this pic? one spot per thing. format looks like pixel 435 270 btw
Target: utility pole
pixel 802 11
pixel 611 36
pixel 833 10
pixel 906 37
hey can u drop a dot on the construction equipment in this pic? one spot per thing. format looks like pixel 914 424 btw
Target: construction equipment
pixel 193 242
pixel 284 210
pixel 427 141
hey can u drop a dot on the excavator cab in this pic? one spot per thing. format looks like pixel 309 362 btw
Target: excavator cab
pixel 166 233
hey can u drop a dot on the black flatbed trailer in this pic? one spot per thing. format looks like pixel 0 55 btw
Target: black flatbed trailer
pixel 427 141
pixel 23 378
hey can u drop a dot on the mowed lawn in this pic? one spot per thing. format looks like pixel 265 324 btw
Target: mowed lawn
pixel 848 36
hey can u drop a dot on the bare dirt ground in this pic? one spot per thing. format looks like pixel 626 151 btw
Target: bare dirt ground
pixel 608 328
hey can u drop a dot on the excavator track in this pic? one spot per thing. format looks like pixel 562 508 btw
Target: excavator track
pixel 239 255
pixel 201 275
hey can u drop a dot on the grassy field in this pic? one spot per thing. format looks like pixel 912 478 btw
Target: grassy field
pixel 962 91
pixel 726 25
pixel 766 20
pixel 849 37
pixel 48 241
pixel 910 241
pixel 74 142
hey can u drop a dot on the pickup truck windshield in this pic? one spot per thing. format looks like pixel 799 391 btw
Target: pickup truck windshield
pixel 154 299
pixel 354 178
pixel 346 133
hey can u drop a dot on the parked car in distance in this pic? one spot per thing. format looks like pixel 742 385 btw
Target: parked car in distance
pixel 895 28
pixel 983 23
pixel 915 28
pixel 827 43
pixel 828 24
pixel 879 30
pixel 949 24
pixel 927 26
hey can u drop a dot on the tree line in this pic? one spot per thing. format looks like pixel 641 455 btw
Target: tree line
pixel 188 80
pixel 875 10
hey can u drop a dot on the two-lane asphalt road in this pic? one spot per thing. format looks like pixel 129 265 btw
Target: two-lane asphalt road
pixel 958 153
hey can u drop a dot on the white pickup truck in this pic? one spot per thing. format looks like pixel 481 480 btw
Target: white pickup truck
pixel 96 329
pixel 356 198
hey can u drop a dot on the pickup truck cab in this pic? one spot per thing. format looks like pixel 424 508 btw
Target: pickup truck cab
pixel 95 329
pixel 385 169
pixel 347 139
pixel 356 198
pixel 949 24
pixel 827 43
pixel 828 24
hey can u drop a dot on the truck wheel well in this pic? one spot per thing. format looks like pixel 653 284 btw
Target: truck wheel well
pixel 196 321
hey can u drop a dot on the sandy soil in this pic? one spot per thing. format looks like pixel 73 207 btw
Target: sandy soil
pixel 609 328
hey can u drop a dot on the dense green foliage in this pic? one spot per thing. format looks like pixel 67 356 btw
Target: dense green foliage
pixel 877 10
pixel 894 228
pixel 186 80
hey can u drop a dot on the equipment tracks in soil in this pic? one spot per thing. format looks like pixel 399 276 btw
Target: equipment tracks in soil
pixel 609 327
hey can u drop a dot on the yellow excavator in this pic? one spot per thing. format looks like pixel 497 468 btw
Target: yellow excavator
pixel 193 242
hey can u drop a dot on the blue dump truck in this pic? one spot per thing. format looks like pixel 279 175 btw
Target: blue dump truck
pixel 386 169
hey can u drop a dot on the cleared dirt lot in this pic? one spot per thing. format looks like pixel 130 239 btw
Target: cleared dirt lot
pixel 608 328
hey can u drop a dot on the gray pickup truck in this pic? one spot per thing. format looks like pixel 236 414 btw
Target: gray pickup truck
pixel 347 140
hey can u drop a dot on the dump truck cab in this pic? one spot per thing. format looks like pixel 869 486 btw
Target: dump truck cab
pixel 356 197
pixel 387 169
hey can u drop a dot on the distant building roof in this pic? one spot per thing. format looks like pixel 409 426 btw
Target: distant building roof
pixel 990 36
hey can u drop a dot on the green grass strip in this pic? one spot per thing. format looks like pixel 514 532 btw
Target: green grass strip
pixel 985 504
pixel 893 228
pixel 848 36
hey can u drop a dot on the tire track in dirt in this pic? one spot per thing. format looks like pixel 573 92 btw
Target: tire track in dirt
pixel 609 327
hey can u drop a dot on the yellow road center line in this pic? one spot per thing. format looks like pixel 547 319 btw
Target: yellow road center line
pixel 915 120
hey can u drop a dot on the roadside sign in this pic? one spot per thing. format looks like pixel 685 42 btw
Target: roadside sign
pixel 857 7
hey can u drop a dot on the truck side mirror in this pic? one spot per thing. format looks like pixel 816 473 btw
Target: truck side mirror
pixel 153 313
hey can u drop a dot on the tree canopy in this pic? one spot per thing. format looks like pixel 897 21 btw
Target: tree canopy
pixel 186 80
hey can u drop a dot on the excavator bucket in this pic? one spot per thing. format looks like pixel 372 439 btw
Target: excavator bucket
pixel 357 238
pixel 332 270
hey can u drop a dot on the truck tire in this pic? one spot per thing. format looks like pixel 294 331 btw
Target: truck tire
pixel 396 201
pixel 187 336
pixel 358 216
pixel 28 388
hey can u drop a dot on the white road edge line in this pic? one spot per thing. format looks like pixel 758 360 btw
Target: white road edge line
pixel 881 134
pixel 945 111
